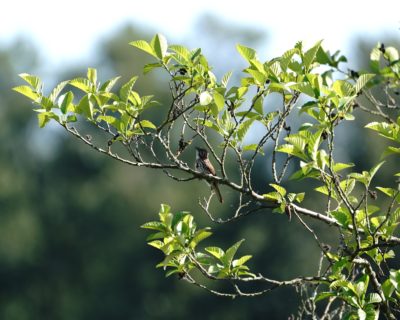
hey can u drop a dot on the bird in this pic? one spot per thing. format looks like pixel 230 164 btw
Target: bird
pixel 204 166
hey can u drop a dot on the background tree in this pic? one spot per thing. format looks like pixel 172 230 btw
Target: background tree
pixel 352 275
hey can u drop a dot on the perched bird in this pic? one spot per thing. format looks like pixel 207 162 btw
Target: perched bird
pixel 204 165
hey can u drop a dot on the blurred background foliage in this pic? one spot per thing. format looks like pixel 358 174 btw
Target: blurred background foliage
pixel 70 243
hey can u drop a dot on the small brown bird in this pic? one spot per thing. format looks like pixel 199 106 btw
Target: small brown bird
pixel 204 165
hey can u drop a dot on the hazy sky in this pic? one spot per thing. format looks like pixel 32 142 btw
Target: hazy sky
pixel 67 30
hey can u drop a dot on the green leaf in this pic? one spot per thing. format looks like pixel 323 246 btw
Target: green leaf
pixel 85 107
pixel 273 196
pixel 253 147
pixel 241 261
pixel 323 295
pixel 342 88
pixel 347 185
pixel 324 190
pixel 147 124
pixel 156 244
pixel 297 141
pixel 92 75
pixel 313 144
pixel 243 128
pixel 65 101
pixel 391 150
pixel 159 45
pixel 342 217
pixel 339 284
pixel 126 89
pixel 323 57
pixel 281 190
pixel 172 272
pixel 286 58
pixel 109 84
pixel 304 87
pixel 46 103
pixel 194 54
pixel 292 150
pixel 259 104
pixel 216 252
pixel 362 81
pixel 82 84
pixel 144 46
pixel 72 118
pixel 387 288
pixel 151 66
pixel 388 191
pixel 154 225
pixel 225 79
pixel 57 90
pixel 341 166
pixel 219 100
pixel 395 279
pixel 309 55
pixel 182 51
pixel 230 253
pixel 375 169
pixel 246 52
pixel 259 77
pixel 32 80
pixel 300 197
pixel 199 236
pixel 374 298
pixel 27 91
pixel 43 119
pixel 165 208
pixel 110 120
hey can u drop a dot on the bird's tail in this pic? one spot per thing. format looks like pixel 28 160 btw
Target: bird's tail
pixel 218 192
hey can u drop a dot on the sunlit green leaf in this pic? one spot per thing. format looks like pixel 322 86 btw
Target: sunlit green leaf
pixel 241 261
pixel 32 80
pixel 144 46
pixel 159 45
pixel 109 84
pixel 215 251
pixel 199 236
pixel 281 190
pixel 147 124
pixel 310 54
pixel 27 91
pixel 243 129
pixel 57 90
pixel 182 51
pixel 66 101
pixel 246 52
pixel 225 79
pixel 230 253
pixel 83 84
pixel 341 166
pixel 219 100
pixel 253 147
pixel 126 89
pixel 154 225
pixel 92 76
pixel 362 81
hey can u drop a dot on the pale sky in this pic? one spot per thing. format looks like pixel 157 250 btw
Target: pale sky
pixel 68 30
